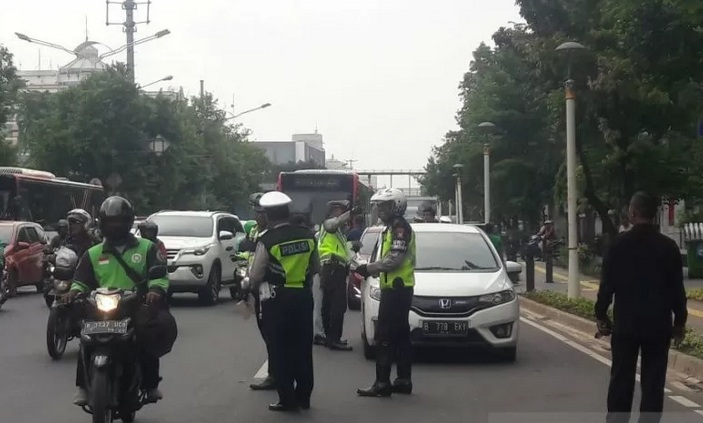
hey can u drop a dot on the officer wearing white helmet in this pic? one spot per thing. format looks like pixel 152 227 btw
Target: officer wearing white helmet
pixel 286 258
pixel 396 268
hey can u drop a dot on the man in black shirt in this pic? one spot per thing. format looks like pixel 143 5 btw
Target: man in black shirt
pixel 643 271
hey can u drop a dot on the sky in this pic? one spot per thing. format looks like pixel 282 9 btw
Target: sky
pixel 377 78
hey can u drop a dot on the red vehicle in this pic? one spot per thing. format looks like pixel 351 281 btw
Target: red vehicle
pixel 24 254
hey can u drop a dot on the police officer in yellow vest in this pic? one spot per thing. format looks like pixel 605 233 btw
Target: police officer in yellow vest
pixel 334 260
pixel 100 267
pixel 284 263
pixel 396 268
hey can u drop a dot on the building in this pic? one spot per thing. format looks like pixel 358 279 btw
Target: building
pixel 302 148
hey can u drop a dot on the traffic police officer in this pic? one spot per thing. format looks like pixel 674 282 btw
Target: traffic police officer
pixel 334 260
pixel 396 268
pixel 284 263
pixel 269 383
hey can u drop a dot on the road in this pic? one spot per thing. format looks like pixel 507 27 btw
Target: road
pixel 217 354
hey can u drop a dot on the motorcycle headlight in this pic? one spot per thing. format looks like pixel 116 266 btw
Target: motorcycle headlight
pixel 498 297
pixel 62 285
pixel 241 272
pixel 107 302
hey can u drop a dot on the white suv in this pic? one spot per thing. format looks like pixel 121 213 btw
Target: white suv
pixel 201 247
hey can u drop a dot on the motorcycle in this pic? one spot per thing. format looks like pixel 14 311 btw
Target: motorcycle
pixel 240 272
pixel 61 326
pixel 110 354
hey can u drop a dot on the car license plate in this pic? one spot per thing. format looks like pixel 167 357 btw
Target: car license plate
pixel 118 327
pixel 444 328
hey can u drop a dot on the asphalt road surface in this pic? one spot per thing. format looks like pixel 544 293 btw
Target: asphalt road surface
pixel 217 355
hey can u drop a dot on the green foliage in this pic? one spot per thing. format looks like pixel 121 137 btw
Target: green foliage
pixel 695 294
pixel 105 125
pixel 10 84
pixel 583 307
pixel 639 86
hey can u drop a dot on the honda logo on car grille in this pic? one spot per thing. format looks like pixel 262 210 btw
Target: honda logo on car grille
pixel 445 303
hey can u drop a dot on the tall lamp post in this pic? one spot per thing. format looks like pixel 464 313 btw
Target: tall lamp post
pixel 263 106
pixel 165 78
pixel 574 286
pixel 459 201
pixel 487 127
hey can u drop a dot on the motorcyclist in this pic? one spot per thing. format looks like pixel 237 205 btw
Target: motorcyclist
pixel 150 231
pixel 79 231
pixel 59 239
pixel 101 266
pixel 428 212
pixel 547 234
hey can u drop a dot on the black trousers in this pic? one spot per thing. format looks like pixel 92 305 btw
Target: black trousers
pixel 655 354
pixel 291 344
pixel 393 334
pixel 333 281
pixel 264 321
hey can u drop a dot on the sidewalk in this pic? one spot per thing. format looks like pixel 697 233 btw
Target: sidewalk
pixel 589 289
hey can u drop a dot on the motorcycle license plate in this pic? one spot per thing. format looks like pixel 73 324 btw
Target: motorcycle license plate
pixel 118 327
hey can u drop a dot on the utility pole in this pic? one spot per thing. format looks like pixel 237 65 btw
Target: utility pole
pixel 129 27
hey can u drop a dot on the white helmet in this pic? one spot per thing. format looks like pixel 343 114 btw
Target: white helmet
pixel 274 199
pixel 80 214
pixel 400 203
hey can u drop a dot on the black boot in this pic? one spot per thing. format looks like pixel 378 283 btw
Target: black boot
pixel 268 384
pixel 339 346
pixel 319 340
pixel 378 389
pixel 402 386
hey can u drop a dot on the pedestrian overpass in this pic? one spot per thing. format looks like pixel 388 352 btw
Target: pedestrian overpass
pixel 409 173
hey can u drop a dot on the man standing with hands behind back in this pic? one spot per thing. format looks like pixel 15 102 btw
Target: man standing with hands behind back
pixel 643 271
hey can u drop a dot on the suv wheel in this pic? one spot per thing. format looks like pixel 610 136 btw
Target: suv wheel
pixel 211 292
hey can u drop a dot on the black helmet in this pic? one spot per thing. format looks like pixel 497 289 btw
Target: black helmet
pixel 116 210
pixel 254 201
pixel 148 229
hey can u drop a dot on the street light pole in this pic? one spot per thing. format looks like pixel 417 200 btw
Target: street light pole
pixel 129 28
pixel 263 106
pixel 574 283
pixel 165 78
pixel 459 199
pixel 488 127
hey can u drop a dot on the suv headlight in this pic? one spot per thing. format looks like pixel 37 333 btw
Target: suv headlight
pixel 375 291
pixel 198 251
pixel 498 297
pixel 107 302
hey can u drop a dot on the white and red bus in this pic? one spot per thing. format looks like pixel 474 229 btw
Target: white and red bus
pixel 312 189
pixel 38 196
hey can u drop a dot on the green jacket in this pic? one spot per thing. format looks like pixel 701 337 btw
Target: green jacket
pixel 99 268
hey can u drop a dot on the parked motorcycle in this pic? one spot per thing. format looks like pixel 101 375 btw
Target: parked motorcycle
pixel 61 326
pixel 110 354
pixel 240 272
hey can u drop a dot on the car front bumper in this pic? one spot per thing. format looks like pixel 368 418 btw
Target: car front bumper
pixel 187 275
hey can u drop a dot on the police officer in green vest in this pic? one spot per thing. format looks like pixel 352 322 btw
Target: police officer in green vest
pixel 263 319
pixel 100 266
pixel 334 259
pixel 284 264
pixel 396 269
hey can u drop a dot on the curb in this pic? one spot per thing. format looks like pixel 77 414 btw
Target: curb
pixel 678 362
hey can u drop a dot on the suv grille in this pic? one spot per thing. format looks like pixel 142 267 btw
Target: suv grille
pixel 446 306
pixel 171 253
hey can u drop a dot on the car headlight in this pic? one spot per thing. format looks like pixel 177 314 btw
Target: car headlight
pixel 375 292
pixel 198 251
pixel 107 302
pixel 62 285
pixel 498 297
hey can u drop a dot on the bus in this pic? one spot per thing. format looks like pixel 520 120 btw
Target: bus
pixel 312 189
pixel 38 196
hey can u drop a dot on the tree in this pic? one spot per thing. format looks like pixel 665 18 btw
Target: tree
pixel 10 84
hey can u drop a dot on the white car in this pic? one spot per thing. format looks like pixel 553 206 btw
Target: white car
pixel 201 250
pixel 463 296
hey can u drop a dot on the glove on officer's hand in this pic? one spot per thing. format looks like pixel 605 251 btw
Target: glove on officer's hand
pixel 605 328
pixel 363 271
pixel 678 335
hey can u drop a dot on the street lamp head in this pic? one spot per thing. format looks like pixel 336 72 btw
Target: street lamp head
pixel 158 145
pixel 458 166
pixel 167 78
pixel 162 33
pixel 23 37
pixel 265 105
pixel 570 46
pixel 486 125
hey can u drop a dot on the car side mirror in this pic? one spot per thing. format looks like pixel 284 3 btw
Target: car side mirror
pixel 513 268
pixel 157 272
pixel 356 246
pixel 225 235
pixel 22 245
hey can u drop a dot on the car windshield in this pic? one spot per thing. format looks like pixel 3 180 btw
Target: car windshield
pixel 368 242
pixel 6 234
pixel 184 226
pixel 453 251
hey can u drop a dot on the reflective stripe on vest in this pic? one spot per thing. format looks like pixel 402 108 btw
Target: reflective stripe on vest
pixel 294 258
pixel 331 245
pixel 108 271
pixel 406 271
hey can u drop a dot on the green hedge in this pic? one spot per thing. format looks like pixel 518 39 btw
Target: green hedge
pixel 695 294
pixel 583 307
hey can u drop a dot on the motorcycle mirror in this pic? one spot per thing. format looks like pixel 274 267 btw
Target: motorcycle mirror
pixel 63 273
pixel 247 245
pixel 157 272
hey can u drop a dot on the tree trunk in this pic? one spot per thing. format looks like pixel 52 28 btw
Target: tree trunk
pixel 590 194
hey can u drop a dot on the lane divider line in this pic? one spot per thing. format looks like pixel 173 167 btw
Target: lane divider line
pixel 263 371
pixel 684 401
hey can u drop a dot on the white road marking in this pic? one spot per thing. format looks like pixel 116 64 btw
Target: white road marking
pixel 263 371
pixel 684 401
pixel 699 412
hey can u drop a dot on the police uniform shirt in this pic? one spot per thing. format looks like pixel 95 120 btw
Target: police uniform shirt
pixel 259 267
pixel 401 234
